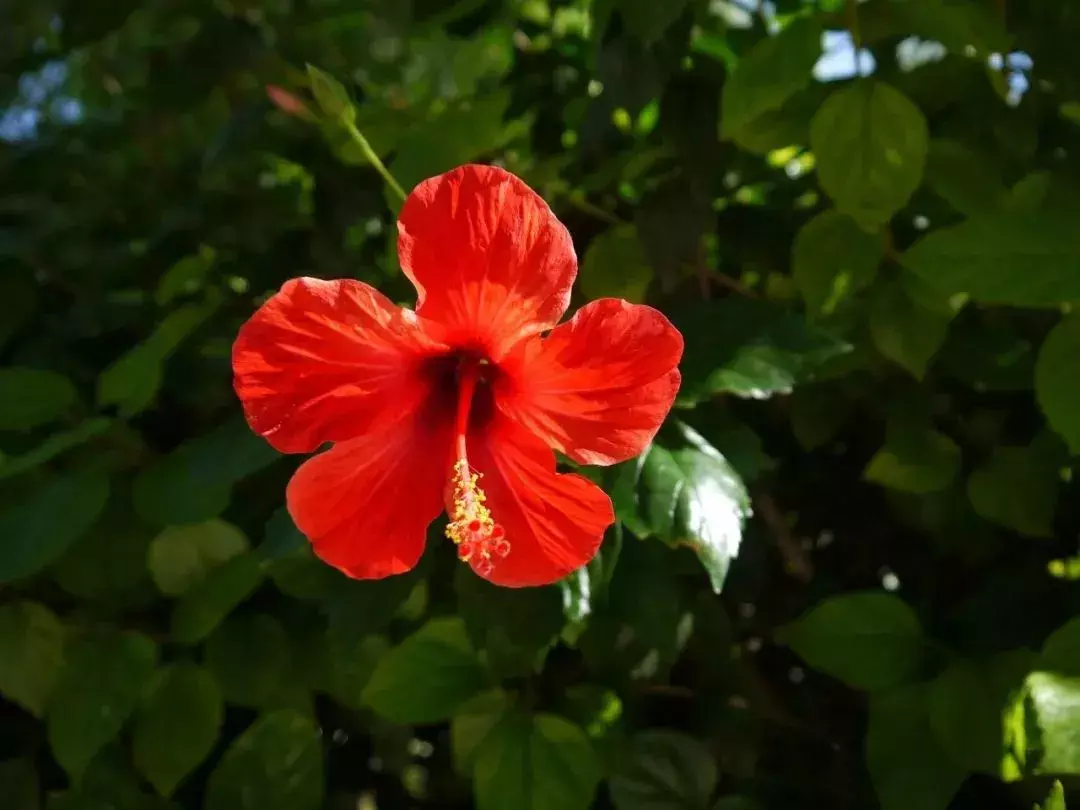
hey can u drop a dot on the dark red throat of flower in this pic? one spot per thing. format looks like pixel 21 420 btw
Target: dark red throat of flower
pixel 479 539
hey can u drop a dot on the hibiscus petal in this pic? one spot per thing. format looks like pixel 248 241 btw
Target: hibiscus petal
pixel 598 387
pixel 489 260
pixel 365 504
pixel 326 361
pixel 554 523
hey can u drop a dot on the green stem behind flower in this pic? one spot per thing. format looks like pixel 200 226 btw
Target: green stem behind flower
pixel 369 153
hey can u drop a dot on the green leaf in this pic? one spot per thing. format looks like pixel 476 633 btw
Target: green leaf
pixel 904 329
pixel 301 575
pixel 915 459
pixel 665 770
pixel 770 73
pixel 541 762
pixel 956 24
pixel 460 134
pixel 1018 489
pixel 133 380
pixel 101 684
pixel 107 565
pixel 966 705
pixel 1029 193
pixel 989 354
pixel 741 446
pixel 206 605
pixel 360 607
pixel 185 276
pixel 647 20
pixel 748 348
pixel 176 726
pixel 1056 387
pixel 181 556
pixel 471 725
pixel 909 768
pixel 643 625
pixel 31 654
pixel 1061 650
pixel 1055 800
pixel 868 640
pixel 576 589
pixel 615 266
pixel 38 529
pixel 31 397
pixel 870 142
pixel 347 662
pixel 818 412
pixel 1019 259
pixel 331 95
pixel 427 677
pixel 110 783
pixel 19 788
pixel 250 657
pixel 690 495
pixel 832 258
pixel 968 182
pixel 57 444
pixel 194 482
pixel 282 539
pixel 1044 725
pixel 276 764
pixel 787 126
pixel 513 628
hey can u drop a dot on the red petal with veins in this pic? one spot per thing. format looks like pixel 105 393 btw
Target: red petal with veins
pixel 489 260
pixel 554 523
pixel 598 387
pixel 365 504
pixel 327 361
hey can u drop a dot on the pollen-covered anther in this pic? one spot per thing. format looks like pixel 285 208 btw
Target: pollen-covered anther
pixel 477 536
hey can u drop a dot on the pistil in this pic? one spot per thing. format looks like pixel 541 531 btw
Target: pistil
pixel 479 539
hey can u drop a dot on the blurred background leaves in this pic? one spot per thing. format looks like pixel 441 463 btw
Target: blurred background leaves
pixel 843 575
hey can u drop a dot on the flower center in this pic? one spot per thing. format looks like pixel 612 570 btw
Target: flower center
pixel 479 539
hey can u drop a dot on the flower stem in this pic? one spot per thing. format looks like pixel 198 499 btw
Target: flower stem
pixel 373 159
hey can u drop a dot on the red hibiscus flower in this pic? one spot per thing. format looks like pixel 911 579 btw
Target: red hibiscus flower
pixel 460 404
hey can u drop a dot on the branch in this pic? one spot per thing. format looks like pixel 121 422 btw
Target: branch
pixel 796 560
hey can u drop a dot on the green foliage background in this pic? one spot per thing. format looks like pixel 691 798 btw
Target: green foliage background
pixel 843 576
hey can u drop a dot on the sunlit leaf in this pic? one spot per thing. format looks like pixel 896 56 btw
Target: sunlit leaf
pixel 870 142
pixel 31 397
pixel 428 676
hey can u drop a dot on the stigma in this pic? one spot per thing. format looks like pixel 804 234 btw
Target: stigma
pixel 480 541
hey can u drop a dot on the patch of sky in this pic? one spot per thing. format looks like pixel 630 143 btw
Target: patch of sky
pixel 40 95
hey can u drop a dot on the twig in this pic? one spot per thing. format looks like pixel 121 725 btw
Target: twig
pixel 851 7
pixel 587 207
pixel 796 560
pixel 704 279
pixel 733 284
